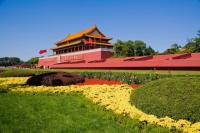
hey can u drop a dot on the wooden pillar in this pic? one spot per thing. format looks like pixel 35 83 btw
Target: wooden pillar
pixel 79 48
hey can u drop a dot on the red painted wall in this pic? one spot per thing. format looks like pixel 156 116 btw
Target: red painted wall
pixel 47 62
pixel 66 58
pixel 106 54
pixel 103 60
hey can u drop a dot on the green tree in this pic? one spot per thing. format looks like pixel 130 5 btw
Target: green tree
pixel 190 47
pixel 33 61
pixel 10 61
pixel 132 48
pixel 118 46
pixel 198 33
pixel 193 45
pixel 170 51
pixel 175 48
pixel 140 47
pixel 149 51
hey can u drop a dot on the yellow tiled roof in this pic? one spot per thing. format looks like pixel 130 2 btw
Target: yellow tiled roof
pixel 78 34
pixel 65 45
pixel 106 44
pixel 107 38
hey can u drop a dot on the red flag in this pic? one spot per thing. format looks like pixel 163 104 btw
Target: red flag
pixel 85 41
pixel 90 41
pixel 42 51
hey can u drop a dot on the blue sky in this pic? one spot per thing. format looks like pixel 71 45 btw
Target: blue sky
pixel 26 26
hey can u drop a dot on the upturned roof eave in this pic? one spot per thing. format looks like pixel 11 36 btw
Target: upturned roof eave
pixel 80 34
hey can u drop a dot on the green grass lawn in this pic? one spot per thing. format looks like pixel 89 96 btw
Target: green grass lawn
pixel 177 97
pixel 44 112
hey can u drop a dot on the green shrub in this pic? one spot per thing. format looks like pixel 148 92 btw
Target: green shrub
pixel 129 77
pixel 2 70
pixel 21 72
pixel 126 77
pixel 174 97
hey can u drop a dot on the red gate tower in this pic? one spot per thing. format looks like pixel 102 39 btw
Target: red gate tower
pixel 89 45
pixel 90 49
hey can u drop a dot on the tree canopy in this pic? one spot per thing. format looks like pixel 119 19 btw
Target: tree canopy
pixel 132 48
pixel 139 48
pixel 10 61
pixel 175 48
pixel 192 46
pixel 32 61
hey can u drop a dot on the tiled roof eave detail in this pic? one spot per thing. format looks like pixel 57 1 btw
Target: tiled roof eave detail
pixel 66 45
pixel 104 38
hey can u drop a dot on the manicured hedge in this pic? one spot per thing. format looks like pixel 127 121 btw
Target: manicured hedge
pixel 127 77
pixel 177 97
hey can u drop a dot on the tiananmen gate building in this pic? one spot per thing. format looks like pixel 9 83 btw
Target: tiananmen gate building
pixel 90 49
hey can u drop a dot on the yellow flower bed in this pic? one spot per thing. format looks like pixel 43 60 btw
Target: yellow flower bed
pixel 13 80
pixel 112 97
